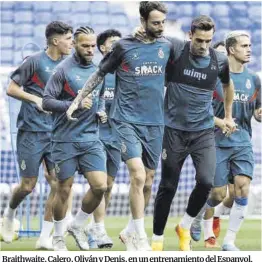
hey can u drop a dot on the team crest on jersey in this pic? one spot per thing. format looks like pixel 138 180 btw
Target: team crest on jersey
pixel 135 56
pixel 161 53
pixel 248 84
pixel 23 165
pixel 57 168
pixel 123 147
pixel 164 154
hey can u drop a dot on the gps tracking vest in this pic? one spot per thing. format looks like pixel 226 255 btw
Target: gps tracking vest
pixel 185 73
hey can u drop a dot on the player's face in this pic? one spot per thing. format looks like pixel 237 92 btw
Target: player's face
pixel 222 49
pixel 155 24
pixel 65 43
pixel 85 46
pixel 201 41
pixel 107 46
pixel 242 49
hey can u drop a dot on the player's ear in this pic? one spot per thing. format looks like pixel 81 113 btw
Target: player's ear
pixel 54 41
pixel 74 42
pixel 143 22
pixel 231 50
pixel 102 48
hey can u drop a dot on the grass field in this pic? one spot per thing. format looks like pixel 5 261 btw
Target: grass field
pixel 248 239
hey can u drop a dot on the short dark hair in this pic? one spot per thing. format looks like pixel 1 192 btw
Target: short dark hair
pixel 145 7
pixel 102 37
pixel 202 22
pixel 219 43
pixel 57 27
pixel 83 30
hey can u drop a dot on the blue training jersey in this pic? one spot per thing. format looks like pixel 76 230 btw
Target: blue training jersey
pixel 105 130
pixel 247 98
pixel 191 82
pixel 33 75
pixel 61 90
pixel 140 78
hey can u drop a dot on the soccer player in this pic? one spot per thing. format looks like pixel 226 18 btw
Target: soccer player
pixel 137 110
pixel 222 208
pixel 189 125
pixel 76 144
pixel 234 152
pixel 35 126
pixel 96 229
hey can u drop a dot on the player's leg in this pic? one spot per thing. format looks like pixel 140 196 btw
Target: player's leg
pixel 29 159
pixel 92 163
pixel 203 153
pixel 97 230
pixel 223 208
pixel 242 169
pixel 173 157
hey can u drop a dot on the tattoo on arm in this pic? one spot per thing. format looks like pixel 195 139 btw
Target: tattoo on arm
pixel 92 82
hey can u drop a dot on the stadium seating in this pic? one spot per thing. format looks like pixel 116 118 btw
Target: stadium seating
pixel 203 8
pixel 7 29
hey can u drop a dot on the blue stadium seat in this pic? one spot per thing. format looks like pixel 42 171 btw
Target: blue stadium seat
pixel 254 11
pixel 220 35
pixel 7 29
pixel 185 23
pixel 223 22
pixel 39 30
pixel 7 42
pixel 242 23
pixel 238 9
pixel 185 9
pixel 24 17
pixel 61 6
pixel 17 58
pixel 116 8
pixel 24 30
pixel 43 17
pixel 99 7
pixel 203 9
pixel 125 30
pixel 256 50
pixel 40 41
pixel 7 16
pixel 43 6
pixel 256 36
pixel 97 19
pixel 119 20
pixel 174 15
pixel 19 6
pixel 220 10
pixel 171 7
pixel 80 19
pixel 80 7
pixel 6 55
pixel 21 41
pixel 99 28
pixel 64 17
pixel 7 5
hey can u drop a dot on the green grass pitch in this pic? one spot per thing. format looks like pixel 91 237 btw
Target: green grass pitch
pixel 248 239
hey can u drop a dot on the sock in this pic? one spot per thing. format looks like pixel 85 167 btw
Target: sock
pixel 186 221
pixel 80 218
pixel 236 218
pixel 140 227
pixel 99 226
pixel 158 238
pixel 219 210
pixel 198 219
pixel 10 213
pixel 92 221
pixel 226 210
pixel 130 228
pixel 59 228
pixel 46 229
pixel 208 228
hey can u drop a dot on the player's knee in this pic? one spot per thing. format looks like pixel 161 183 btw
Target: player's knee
pixel 27 189
pixel 99 191
pixel 218 194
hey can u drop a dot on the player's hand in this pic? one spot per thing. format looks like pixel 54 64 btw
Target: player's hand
pixel 258 114
pixel 87 102
pixel 70 111
pixel 39 104
pixel 231 125
pixel 102 116
pixel 222 125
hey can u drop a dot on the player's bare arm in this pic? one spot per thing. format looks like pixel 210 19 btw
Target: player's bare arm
pixel 15 91
pixel 228 90
pixel 93 81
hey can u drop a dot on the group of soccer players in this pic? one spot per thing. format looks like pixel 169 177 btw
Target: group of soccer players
pixel 77 117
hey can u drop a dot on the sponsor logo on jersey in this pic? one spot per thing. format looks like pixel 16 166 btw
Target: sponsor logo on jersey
pixel 149 68
pixel 109 94
pixel 23 165
pixel 78 78
pixel 164 154
pixel 195 74
pixel 48 70
pixel 240 97
pixel 135 56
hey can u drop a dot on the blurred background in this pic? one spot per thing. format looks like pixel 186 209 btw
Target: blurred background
pixel 22 33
